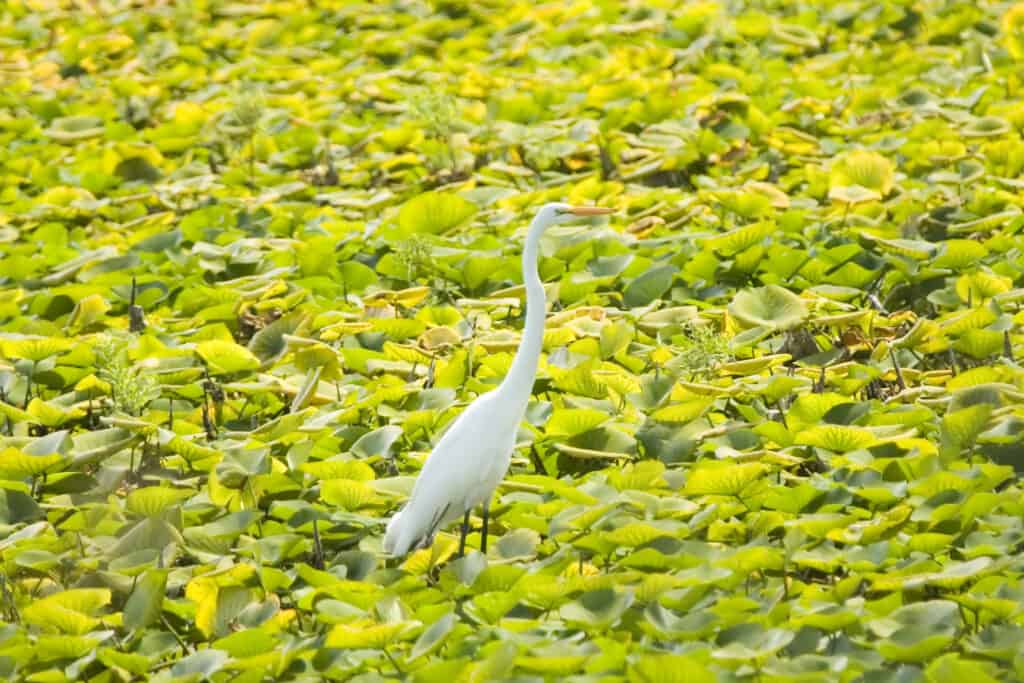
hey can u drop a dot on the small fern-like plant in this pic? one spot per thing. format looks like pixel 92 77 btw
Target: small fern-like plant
pixel 131 389
pixel 438 114
pixel 700 350
pixel 414 255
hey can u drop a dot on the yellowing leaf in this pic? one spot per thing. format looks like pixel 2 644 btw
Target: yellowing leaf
pixel 687 411
pixel 734 241
pixel 633 535
pixel 226 357
pixel 151 501
pixel 17 465
pixel 569 422
pixel 433 213
pixel 34 349
pixel 69 611
pixel 723 479
pixel 863 168
pixel 359 635
pixel 339 469
pixel 836 438
pixel 346 493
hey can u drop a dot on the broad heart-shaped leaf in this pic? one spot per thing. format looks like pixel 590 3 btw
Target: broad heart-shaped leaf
pixel 433 213
pixel 200 665
pixel 357 276
pixel 377 442
pixel 226 357
pixel 869 170
pixel 519 544
pixel 346 493
pixel 34 349
pixel 979 344
pixel 917 632
pixel 580 380
pixel 959 254
pixel 633 535
pixel 88 311
pixel 735 241
pixel 217 606
pixel 687 411
pixel 963 426
pixel 50 415
pixel 751 642
pixel 655 668
pixel 649 286
pixel 310 354
pixel 75 128
pixel 270 342
pixel 953 575
pixel 339 469
pixel 599 608
pixel 954 668
pixel 149 534
pixel 552 665
pixel 568 422
pixel 17 507
pixel 997 641
pixel 836 438
pixel 770 306
pixel 146 600
pixel 15 464
pixel 853 194
pixel 68 612
pixel 433 636
pixel 251 642
pixel 914 249
pixel 368 635
pixel 129 661
pixel 151 501
pixel 615 337
pixel 723 479
pixel 63 647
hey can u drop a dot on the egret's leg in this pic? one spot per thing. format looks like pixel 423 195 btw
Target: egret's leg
pixel 465 532
pixel 483 527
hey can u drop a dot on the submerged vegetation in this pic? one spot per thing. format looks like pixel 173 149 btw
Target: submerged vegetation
pixel 256 256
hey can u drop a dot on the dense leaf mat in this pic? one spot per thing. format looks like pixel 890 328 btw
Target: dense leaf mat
pixel 777 431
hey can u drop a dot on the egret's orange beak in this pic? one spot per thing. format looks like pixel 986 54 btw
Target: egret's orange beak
pixel 589 210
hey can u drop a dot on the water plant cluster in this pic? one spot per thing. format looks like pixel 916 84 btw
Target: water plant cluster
pixel 255 256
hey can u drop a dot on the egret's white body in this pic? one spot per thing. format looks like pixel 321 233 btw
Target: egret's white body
pixel 473 455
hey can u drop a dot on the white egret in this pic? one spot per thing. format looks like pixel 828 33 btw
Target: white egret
pixel 472 457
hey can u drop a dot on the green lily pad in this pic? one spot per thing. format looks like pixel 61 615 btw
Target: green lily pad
pixel 770 307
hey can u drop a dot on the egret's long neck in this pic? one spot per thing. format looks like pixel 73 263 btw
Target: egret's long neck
pixel 518 383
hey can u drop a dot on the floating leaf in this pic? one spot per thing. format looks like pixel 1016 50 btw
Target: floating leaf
pixel 433 636
pixel 153 500
pixel 346 493
pixel 434 213
pixel 836 438
pixel 146 600
pixel 865 169
pixel 770 307
pixel 225 358
pixel 69 611
pixel 570 422
pixel 14 464
pixel 684 412
pixel 922 630
pixel 649 286
pixel 724 479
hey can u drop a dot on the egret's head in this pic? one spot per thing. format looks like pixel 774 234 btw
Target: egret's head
pixel 561 213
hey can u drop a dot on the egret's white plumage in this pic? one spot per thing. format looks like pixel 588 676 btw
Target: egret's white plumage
pixel 473 455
